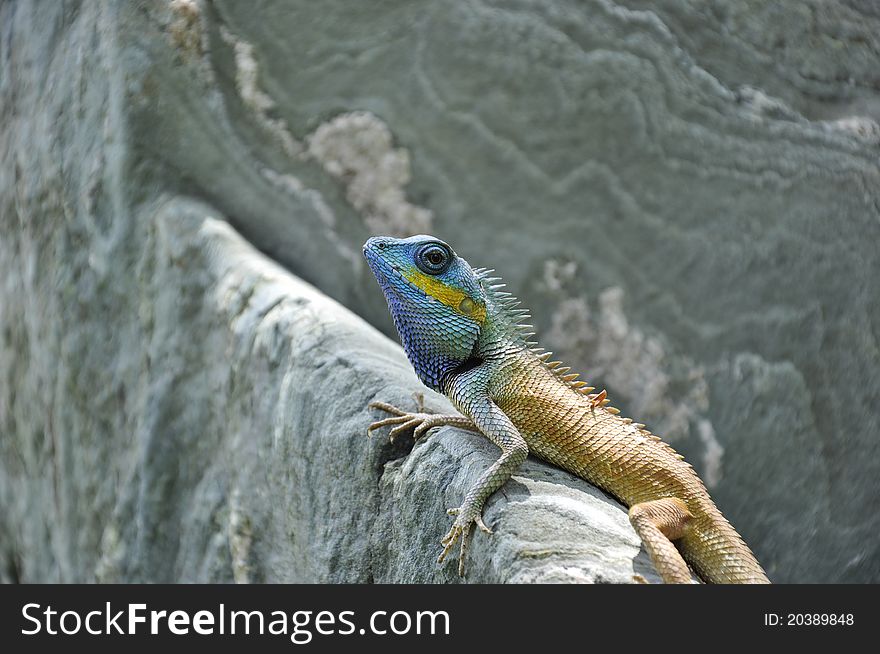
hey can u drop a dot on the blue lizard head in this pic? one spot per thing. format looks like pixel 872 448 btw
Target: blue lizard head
pixel 436 300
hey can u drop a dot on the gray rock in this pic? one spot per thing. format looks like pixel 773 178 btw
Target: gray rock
pixel 685 194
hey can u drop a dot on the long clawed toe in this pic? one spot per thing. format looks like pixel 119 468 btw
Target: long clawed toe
pixel 418 422
pixel 389 408
pixel 464 530
pixel 395 420
pixel 410 425
pixel 448 542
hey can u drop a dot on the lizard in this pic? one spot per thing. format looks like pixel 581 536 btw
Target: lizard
pixel 467 339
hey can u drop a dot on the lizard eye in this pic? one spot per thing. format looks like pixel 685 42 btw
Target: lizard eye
pixel 433 259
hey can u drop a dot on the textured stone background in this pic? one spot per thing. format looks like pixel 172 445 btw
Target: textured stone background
pixel 687 194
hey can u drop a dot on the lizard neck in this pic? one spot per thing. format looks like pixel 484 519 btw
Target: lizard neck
pixel 497 346
pixel 498 341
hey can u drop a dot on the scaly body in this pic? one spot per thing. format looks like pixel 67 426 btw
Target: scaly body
pixel 464 338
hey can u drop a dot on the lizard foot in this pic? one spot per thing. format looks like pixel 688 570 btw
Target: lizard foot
pixel 462 528
pixel 419 421
pixel 404 421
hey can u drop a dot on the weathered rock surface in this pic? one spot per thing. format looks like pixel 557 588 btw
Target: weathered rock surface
pixel 686 194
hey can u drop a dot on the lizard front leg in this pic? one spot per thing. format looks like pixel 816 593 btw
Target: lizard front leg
pixel 497 427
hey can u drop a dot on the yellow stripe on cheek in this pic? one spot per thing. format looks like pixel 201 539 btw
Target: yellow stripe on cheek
pixel 451 297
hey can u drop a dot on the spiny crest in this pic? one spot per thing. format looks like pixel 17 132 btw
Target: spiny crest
pixel 510 313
